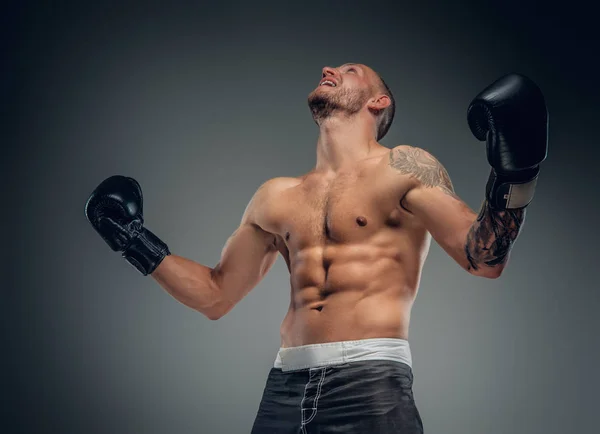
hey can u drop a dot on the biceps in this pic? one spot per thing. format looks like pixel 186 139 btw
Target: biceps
pixel 247 256
pixel 446 217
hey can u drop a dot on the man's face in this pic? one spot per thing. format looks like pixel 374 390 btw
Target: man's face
pixel 345 89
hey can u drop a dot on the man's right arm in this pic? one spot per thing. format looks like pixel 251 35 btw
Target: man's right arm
pixel 115 210
pixel 246 258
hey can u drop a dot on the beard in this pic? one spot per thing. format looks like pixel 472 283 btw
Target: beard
pixel 325 104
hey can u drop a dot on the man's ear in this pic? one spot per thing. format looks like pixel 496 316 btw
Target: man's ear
pixel 380 102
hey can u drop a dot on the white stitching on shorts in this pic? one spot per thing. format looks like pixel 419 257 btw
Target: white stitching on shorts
pixel 317 395
pixel 305 421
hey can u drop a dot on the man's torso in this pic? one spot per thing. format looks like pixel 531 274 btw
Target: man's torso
pixel 355 255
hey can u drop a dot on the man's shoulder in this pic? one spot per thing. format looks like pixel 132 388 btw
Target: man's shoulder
pixel 410 158
pixel 276 185
pixel 260 209
pixel 421 165
pixel 271 188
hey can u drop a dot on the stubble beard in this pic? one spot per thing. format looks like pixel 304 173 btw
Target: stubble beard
pixel 326 104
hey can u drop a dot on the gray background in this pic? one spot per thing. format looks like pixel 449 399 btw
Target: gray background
pixel 202 103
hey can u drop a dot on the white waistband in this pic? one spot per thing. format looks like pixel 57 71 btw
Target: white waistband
pixel 333 353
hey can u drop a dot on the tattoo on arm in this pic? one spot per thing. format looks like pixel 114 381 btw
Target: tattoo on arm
pixel 423 166
pixel 492 236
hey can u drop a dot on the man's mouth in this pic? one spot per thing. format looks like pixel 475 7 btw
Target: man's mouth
pixel 327 82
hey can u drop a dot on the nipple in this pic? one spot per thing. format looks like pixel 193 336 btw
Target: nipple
pixel 361 221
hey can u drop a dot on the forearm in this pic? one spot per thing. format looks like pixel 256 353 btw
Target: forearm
pixel 491 238
pixel 190 283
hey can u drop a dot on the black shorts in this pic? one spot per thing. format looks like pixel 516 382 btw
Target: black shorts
pixel 367 397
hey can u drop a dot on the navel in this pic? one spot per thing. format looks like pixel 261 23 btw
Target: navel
pixel 361 221
pixel 287 236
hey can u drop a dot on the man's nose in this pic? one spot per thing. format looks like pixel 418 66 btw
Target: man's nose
pixel 328 71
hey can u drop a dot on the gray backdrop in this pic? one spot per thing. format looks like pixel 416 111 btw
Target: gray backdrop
pixel 202 103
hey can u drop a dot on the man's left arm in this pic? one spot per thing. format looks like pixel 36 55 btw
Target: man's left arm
pixel 510 115
pixel 478 243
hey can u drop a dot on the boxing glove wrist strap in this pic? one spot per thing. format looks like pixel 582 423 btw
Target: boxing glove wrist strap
pixel 146 251
pixel 511 192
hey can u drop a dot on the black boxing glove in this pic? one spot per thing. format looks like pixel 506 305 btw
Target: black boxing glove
pixel 511 116
pixel 115 210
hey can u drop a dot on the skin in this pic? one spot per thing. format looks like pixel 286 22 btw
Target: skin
pixel 354 232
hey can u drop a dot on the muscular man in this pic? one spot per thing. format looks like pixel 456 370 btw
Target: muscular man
pixel 354 233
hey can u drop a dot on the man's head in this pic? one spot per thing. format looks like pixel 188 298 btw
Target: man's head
pixel 350 89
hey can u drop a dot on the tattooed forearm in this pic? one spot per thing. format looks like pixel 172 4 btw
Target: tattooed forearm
pixel 492 236
pixel 423 166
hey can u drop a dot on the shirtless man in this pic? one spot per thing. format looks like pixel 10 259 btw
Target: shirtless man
pixel 354 232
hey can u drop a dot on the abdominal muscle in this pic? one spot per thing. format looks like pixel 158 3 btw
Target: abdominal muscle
pixel 342 293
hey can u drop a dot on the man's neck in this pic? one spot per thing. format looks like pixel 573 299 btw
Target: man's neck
pixel 342 141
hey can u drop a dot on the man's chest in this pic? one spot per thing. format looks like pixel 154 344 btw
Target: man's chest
pixel 346 208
